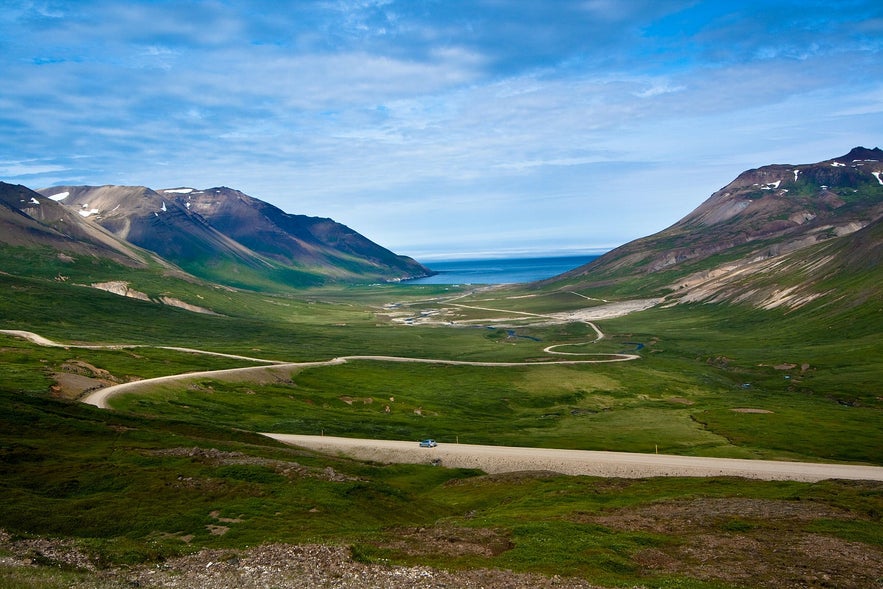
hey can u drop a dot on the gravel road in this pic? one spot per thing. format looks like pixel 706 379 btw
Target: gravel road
pixel 498 459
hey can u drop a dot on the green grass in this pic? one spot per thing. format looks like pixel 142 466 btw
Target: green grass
pixel 127 485
pixel 132 489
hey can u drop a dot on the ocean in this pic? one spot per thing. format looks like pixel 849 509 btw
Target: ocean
pixel 500 271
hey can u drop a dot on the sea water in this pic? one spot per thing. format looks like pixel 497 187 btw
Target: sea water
pixel 500 271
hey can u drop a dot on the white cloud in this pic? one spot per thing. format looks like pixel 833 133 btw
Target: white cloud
pixel 20 169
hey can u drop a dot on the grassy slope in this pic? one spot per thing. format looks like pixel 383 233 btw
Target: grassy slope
pixel 71 470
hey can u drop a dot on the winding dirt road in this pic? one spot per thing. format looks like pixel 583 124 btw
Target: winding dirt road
pixel 491 459
pixel 277 370
pixel 280 371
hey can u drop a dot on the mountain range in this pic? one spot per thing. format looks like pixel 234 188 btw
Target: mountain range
pixel 218 234
pixel 779 236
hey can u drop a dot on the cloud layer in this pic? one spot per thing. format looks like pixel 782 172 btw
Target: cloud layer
pixel 440 127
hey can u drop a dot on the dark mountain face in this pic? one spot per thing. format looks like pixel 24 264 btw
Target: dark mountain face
pixel 229 237
pixel 755 222
pixel 293 239
pixel 141 216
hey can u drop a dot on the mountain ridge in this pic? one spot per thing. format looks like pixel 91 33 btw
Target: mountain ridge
pixel 246 248
pixel 804 219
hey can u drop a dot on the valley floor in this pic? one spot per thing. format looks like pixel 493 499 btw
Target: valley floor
pixel 500 459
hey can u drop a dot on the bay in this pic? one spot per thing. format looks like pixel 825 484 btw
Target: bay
pixel 501 271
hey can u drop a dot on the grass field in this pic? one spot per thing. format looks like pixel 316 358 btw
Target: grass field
pixel 165 471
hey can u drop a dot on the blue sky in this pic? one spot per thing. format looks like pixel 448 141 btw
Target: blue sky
pixel 440 128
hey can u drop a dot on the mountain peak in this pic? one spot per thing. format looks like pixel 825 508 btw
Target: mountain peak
pixel 862 154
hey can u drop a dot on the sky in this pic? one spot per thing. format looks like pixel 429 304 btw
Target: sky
pixel 440 128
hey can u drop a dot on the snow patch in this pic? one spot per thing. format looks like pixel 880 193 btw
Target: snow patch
pixel 87 212
pixel 179 191
pixel 34 201
pixel 164 209
pixel 60 196
pixel 796 172
pixel 771 185
pixel 837 165
pixel 877 176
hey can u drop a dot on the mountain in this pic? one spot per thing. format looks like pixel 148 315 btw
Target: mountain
pixel 231 238
pixel 293 239
pixel 776 236
pixel 29 219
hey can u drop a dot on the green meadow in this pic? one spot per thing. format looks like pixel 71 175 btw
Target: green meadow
pixel 156 475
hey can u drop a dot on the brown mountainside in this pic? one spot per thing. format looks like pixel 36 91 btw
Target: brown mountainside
pixel 224 235
pixel 807 219
pixel 29 219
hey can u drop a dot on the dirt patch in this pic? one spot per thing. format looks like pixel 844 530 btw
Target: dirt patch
pixel 363 400
pixel 698 514
pixel 225 520
pixel 751 542
pixel 216 530
pixel 448 541
pixel 749 410
pixel 49 552
pixel 775 561
pixel 75 378
pixel 72 386
pixel 287 468
pixel 283 566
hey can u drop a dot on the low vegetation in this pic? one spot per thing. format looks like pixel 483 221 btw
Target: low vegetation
pixel 181 468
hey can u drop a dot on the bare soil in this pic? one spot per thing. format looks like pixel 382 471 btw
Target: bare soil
pixel 282 566
pixel 749 542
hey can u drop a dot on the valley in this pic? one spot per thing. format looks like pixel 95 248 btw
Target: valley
pixel 719 381
pixel 490 459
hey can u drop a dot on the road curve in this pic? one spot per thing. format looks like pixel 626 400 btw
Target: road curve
pixel 491 459
pixel 100 397
pixel 277 371
pixel 501 459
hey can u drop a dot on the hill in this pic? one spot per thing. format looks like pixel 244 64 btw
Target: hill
pixel 776 236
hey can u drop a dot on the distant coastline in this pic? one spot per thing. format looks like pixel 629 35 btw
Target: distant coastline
pixel 500 270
